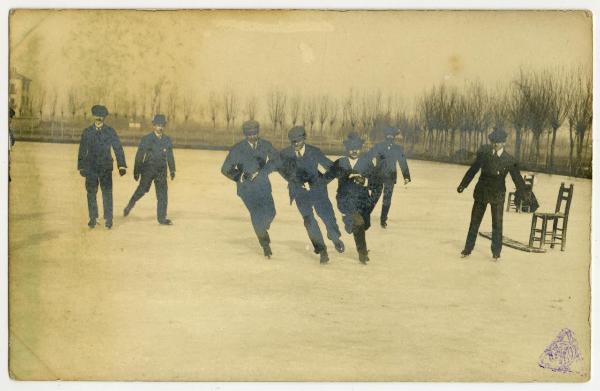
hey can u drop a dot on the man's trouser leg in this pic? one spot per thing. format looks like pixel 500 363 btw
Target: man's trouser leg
pixel 476 216
pixel 91 187
pixel 305 207
pixel 162 196
pixel 388 190
pixel 324 209
pixel 376 191
pixel 497 217
pixel 143 188
pixel 107 198
pixel 262 213
pixel 358 230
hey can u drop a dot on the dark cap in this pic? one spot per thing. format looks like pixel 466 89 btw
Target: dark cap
pixel 159 119
pixel 353 142
pixel 497 136
pixel 297 133
pixel 390 130
pixel 99 111
pixel 250 127
pixel 11 112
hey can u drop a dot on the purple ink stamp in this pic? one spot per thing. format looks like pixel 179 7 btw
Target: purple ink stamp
pixel 561 353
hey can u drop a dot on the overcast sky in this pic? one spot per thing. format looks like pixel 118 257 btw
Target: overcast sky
pixel 309 52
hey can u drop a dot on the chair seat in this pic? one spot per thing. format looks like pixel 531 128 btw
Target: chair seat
pixel 549 214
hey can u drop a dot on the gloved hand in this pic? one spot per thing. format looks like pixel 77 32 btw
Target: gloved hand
pixel 172 175
pixel 460 189
pixel 249 177
pixel 122 171
pixel 136 176
pixel 82 173
pixel 359 180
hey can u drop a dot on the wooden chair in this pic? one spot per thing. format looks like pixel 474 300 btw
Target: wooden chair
pixel 559 219
pixel 511 203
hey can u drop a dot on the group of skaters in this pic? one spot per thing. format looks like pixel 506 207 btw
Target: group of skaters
pixel 362 177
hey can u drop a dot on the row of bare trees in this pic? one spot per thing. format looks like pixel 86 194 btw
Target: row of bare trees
pixel 447 122
pixel 535 105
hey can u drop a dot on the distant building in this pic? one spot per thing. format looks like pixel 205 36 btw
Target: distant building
pixel 19 93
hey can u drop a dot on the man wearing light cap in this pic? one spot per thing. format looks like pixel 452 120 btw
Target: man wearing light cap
pixel 95 164
pixel 249 164
pixel 353 173
pixel 308 187
pixel 387 155
pixel 495 163
pixel 154 155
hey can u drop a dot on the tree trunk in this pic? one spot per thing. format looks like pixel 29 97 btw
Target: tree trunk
pixel 518 135
pixel 552 146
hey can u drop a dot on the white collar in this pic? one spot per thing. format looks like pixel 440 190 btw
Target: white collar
pixel 158 135
pixel 302 150
pixel 352 162
pixel 499 153
pixel 252 145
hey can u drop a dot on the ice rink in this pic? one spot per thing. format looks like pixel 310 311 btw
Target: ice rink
pixel 198 301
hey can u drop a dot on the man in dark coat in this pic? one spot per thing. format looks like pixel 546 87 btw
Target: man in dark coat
pixel 387 155
pixel 308 187
pixel 495 163
pixel 353 173
pixel 249 164
pixel 154 154
pixel 95 163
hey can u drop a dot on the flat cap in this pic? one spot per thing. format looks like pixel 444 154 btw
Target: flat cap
pixel 250 127
pixel 159 119
pixel 99 111
pixel 297 133
pixel 390 130
pixel 353 142
pixel 497 136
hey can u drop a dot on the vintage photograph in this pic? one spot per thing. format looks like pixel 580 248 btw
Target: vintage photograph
pixel 300 195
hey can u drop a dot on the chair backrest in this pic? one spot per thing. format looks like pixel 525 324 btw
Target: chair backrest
pixel 528 179
pixel 565 195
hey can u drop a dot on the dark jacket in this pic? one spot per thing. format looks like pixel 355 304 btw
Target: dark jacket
pixel 94 149
pixel 491 185
pixel 154 154
pixel 304 170
pixel 352 196
pixel 243 161
pixel 387 155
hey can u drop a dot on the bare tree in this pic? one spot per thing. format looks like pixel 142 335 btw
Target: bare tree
pixel 294 109
pixel 38 102
pixel 559 105
pixel 213 108
pixel 276 102
pixel 323 111
pixel 333 116
pixel 580 117
pixel 172 103
pixel 350 110
pixel 516 112
pixel 230 106
pixel 309 113
pixel 537 99
pixel 251 107
pixel 188 105
pixel 73 99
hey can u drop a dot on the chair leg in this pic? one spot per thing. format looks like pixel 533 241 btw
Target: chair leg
pixel 554 226
pixel 563 240
pixel 544 227
pixel 532 231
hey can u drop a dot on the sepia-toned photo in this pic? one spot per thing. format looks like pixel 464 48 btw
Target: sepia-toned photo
pixel 299 195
